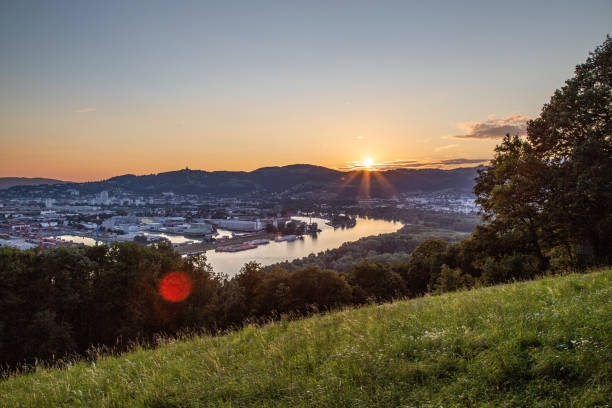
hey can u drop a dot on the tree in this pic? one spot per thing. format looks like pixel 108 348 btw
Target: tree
pixel 376 281
pixel 423 268
pixel 510 193
pixel 452 279
pixel 573 136
pixel 554 188
pixel 321 289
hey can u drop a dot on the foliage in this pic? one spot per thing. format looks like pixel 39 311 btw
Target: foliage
pixel 78 298
pixel 63 301
pixel 423 268
pixel 451 280
pixel 543 343
pixel 392 248
pixel 553 189
pixel 376 282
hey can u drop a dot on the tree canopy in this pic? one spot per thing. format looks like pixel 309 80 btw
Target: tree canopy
pixel 552 189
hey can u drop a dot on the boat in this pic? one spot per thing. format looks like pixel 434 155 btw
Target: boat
pixel 235 248
pixel 288 238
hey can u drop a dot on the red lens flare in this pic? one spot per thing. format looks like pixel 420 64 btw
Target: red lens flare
pixel 175 287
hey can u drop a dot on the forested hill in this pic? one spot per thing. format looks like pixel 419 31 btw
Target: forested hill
pixel 294 178
pixel 8 182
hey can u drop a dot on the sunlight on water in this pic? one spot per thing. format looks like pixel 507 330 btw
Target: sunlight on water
pixel 328 238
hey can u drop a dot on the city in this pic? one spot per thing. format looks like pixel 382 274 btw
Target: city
pixel 67 217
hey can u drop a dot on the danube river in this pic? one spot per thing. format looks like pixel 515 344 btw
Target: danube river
pixel 230 263
pixel 329 238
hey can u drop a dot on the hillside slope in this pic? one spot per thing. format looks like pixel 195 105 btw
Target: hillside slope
pixel 8 182
pixel 540 343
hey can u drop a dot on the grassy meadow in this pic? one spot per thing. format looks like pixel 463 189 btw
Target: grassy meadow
pixel 542 343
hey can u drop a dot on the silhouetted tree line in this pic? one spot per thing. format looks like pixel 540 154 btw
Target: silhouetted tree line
pixel 62 302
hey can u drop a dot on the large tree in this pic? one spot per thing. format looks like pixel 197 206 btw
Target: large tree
pixel 554 187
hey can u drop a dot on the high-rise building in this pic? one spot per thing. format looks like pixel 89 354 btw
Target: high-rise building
pixel 104 197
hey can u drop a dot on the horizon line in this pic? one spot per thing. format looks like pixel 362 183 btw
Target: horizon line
pixel 383 168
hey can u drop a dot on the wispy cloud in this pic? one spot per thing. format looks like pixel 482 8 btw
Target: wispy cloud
pixel 453 162
pixel 85 110
pixel 414 164
pixel 360 138
pixel 493 128
pixel 450 146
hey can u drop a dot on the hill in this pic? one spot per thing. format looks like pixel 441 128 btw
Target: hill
pixel 294 179
pixel 539 343
pixel 8 182
pixel 273 179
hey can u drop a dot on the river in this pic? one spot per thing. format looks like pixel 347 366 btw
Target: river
pixel 329 238
pixel 230 263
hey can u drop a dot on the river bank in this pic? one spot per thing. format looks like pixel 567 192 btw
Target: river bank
pixel 201 247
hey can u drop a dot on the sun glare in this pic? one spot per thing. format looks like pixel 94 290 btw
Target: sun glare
pixel 368 162
pixel 175 287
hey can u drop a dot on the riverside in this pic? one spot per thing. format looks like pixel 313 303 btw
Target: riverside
pixel 329 238
pixel 230 262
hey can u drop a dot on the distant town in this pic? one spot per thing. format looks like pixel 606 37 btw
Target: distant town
pixel 54 216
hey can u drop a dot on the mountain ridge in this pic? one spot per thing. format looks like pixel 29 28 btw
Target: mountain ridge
pixel 8 182
pixel 295 178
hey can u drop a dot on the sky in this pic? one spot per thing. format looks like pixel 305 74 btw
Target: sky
pixel 95 89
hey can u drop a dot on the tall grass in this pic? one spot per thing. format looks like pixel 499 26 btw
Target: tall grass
pixel 541 343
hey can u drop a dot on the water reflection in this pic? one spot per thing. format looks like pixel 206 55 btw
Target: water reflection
pixel 328 238
pixel 230 263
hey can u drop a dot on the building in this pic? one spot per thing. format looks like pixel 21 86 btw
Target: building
pixel 104 197
pixel 238 225
pixel 17 243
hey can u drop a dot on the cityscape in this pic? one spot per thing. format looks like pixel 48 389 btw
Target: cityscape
pixel 67 217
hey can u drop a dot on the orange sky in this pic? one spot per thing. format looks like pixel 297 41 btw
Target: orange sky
pixel 94 145
pixel 92 90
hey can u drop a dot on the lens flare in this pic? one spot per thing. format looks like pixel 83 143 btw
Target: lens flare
pixel 175 287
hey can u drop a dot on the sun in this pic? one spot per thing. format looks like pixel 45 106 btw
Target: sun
pixel 368 162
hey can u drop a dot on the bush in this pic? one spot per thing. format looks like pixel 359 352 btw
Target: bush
pixel 423 269
pixel 375 281
pixel 453 279
pixel 510 267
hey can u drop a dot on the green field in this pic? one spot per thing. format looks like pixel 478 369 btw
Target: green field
pixel 542 343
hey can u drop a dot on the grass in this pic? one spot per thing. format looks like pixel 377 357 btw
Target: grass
pixel 544 343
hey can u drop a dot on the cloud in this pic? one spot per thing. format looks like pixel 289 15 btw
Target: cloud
pixel 450 146
pixel 415 164
pixel 360 138
pixel 85 110
pixel 493 128
pixel 451 162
